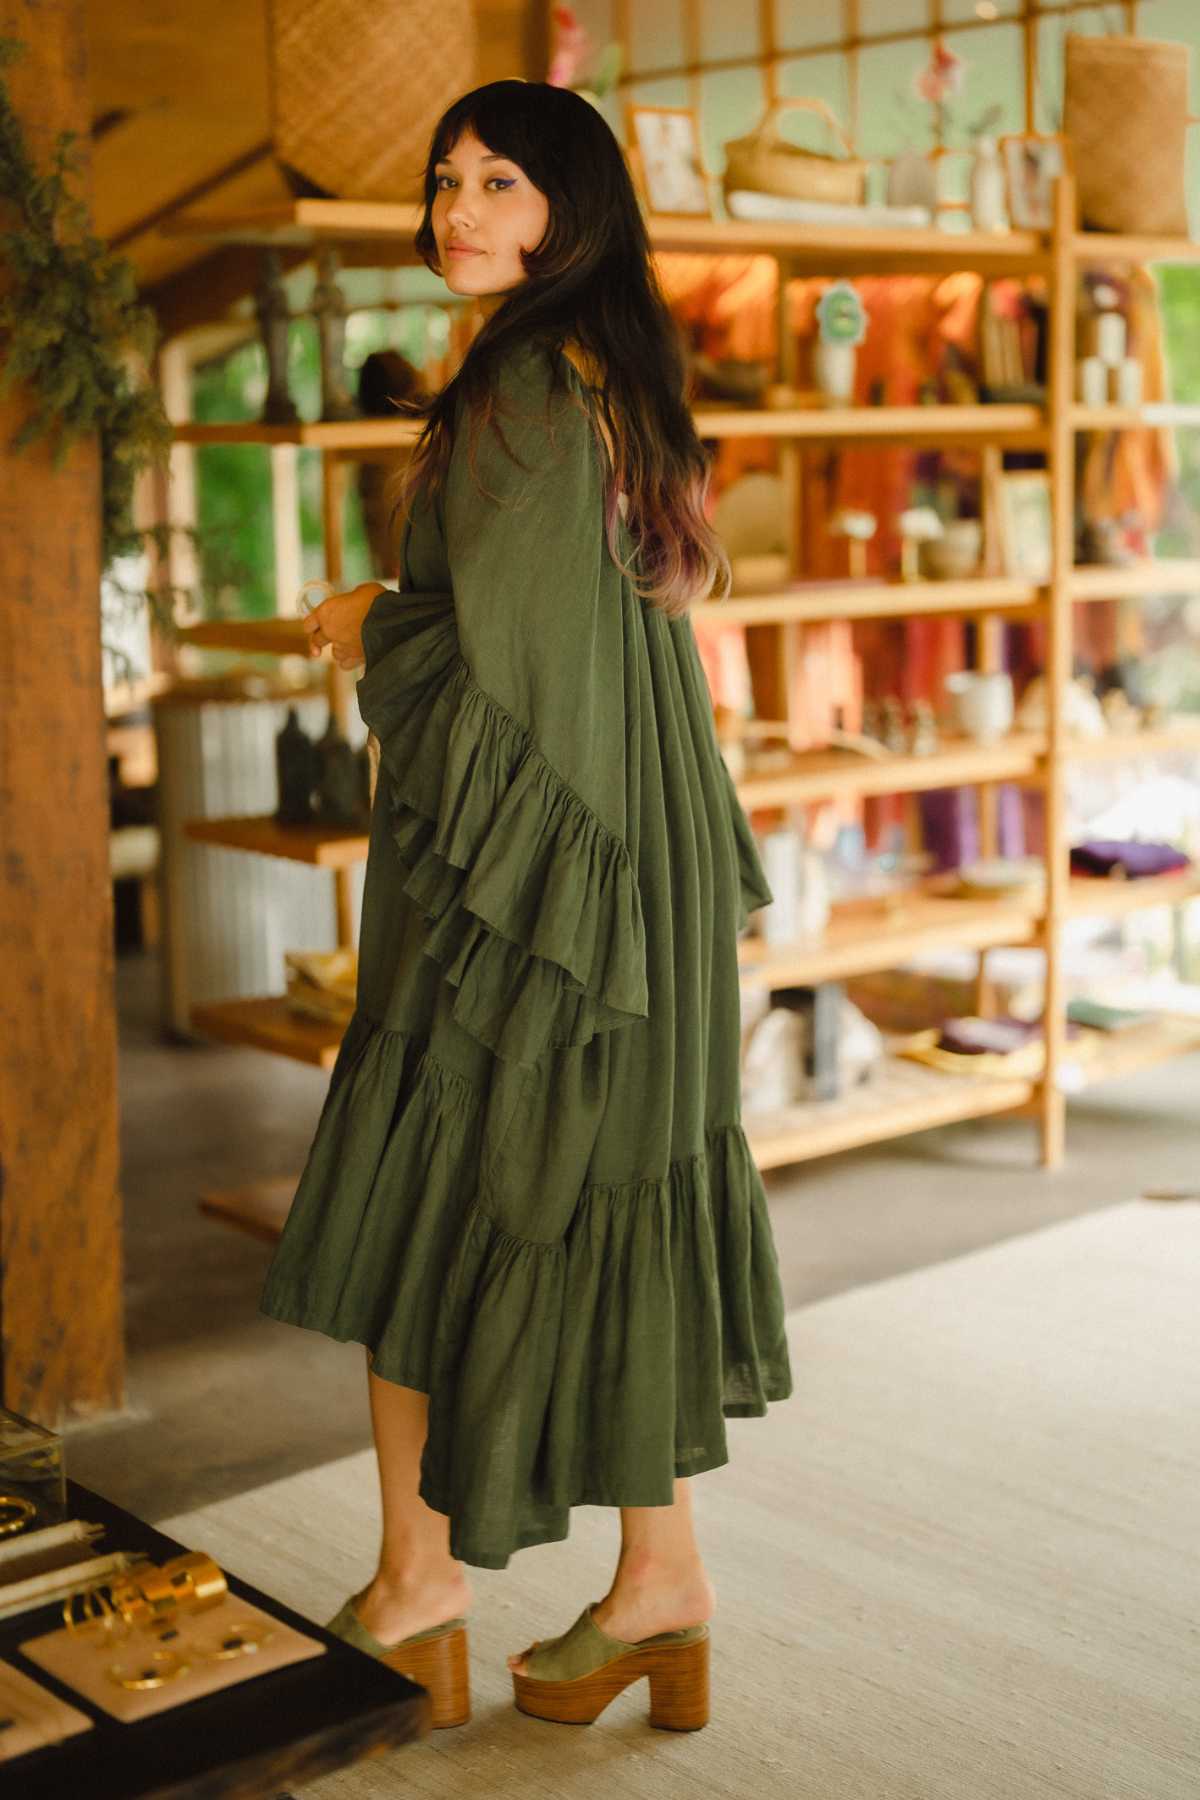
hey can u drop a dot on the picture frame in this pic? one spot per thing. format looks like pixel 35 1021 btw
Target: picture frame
pixel 1025 524
pixel 1032 163
pixel 667 161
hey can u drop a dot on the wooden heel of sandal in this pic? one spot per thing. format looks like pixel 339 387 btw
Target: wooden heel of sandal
pixel 679 1688
pixel 440 1665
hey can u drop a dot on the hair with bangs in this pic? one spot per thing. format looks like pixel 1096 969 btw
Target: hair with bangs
pixel 590 282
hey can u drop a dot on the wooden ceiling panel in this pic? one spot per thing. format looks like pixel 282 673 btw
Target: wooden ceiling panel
pixel 181 116
pixel 184 83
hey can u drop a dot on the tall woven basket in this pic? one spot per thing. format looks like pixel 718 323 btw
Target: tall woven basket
pixel 1125 110
pixel 355 91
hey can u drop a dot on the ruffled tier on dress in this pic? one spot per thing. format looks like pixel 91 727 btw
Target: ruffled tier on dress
pixel 591 1370
pixel 532 906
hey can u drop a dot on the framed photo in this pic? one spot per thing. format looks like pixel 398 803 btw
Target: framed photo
pixel 1032 165
pixel 1024 521
pixel 665 155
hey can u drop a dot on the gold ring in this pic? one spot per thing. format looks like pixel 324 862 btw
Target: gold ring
pixel 154 1671
pixel 244 1639
pixel 23 1509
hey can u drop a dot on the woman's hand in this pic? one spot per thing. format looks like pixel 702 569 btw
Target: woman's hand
pixel 338 623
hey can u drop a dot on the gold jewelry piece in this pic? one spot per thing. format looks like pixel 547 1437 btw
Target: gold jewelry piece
pixel 19 1511
pixel 146 1594
pixel 99 1620
pixel 244 1638
pixel 196 1579
pixel 153 1671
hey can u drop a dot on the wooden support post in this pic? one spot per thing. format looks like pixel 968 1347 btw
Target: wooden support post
pixel 1058 656
pixel 61 1349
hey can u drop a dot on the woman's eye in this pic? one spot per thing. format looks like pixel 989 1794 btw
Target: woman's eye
pixel 505 181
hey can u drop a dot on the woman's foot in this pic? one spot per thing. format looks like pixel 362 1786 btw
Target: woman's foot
pixel 647 1597
pixel 397 1606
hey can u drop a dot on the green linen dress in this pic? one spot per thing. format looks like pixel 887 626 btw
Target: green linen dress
pixel 529 1193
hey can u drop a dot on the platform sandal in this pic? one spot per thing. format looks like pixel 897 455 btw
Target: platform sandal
pixel 572 1678
pixel 435 1659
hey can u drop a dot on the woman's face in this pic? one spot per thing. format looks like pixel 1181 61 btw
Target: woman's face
pixel 488 208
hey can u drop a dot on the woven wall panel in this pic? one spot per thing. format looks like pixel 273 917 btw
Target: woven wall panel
pixel 356 90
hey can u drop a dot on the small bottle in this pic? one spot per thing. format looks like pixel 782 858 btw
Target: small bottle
pixel 988 209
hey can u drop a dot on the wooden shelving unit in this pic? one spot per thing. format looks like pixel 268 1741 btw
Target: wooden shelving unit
pixel 268 1023
pixel 875 600
pixel 901 1097
pixel 880 939
pixel 324 846
pixel 906 1096
pixel 823 774
pixel 1122 746
pixel 1113 582
pixel 1012 427
pixel 1135 1048
pixel 267 637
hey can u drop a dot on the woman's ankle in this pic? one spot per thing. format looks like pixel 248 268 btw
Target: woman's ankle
pixel 405 1574
pixel 658 1567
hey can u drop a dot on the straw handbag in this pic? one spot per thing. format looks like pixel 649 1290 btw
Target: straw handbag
pixel 1125 110
pixel 765 163
pixel 355 91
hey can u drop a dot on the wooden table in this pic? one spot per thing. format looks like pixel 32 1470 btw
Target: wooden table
pixel 248 1742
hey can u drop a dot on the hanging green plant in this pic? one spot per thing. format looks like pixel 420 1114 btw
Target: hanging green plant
pixel 74 333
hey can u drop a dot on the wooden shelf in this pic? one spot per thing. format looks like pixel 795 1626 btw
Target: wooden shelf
pixel 1093 897
pixel 325 846
pixel 809 248
pixel 1111 1054
pixel 1180 737
pixel 1153 415
pixel 1022 427
pixel 901 1097
pixel 812 249
pixel 1095 249
pixel 821 774
pixel 885 938
pixel 259 1208
pixel 301 222
pixel 1174 575
pixel 267 1023
pixel 873 600
pixel 330 434
pixel 1019 426
pixel 269 636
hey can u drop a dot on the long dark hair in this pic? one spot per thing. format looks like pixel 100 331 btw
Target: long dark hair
pixel 590 282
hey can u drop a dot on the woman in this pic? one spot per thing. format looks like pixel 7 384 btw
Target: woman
pixel 529 1194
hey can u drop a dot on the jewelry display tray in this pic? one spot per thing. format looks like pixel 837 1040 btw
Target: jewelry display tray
pixel 256 1739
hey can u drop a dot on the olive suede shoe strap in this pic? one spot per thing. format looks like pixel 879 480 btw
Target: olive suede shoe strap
pixel 586 1647
pixel 349 1627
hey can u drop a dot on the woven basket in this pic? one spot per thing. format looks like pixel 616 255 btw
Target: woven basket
pixel 764 163
pixel 1125 110
pixel 355 91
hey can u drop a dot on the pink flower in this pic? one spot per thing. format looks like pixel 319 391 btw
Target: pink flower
pixel 570 49
pixel 943 75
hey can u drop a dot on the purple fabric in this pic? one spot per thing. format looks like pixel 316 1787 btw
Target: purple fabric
pixel 976 1037
pixel 1103 856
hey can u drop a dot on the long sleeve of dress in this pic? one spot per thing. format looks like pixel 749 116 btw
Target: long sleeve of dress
pixel 501 721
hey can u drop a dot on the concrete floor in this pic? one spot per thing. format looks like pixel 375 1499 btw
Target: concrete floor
pixel 221 1400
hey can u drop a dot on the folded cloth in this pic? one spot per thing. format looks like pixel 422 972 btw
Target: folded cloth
pixel 1119 857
